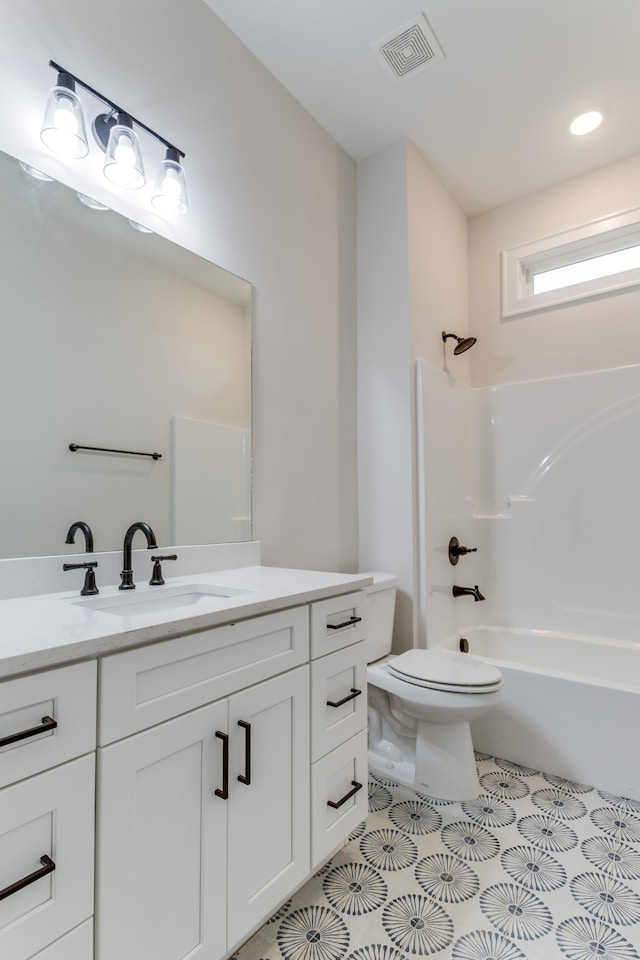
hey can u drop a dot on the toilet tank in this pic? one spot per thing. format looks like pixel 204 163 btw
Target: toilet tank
pixel 382 600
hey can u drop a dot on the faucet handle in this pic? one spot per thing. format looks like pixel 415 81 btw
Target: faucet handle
pixel 456 550
pixel 89 589
pixel 156 577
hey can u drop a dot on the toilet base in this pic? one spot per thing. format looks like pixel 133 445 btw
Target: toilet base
pixel 439 762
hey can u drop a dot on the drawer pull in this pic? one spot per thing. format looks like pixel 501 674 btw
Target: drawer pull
pixel 224 793
pixel 48 723
pixel 350 696
pixel 48 866
pixel 246 777
pixel 356 786
pixel 346 623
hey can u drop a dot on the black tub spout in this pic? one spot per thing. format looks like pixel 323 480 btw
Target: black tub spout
pixel 468 592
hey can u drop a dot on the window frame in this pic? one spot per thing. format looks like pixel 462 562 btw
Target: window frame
pixel 601 236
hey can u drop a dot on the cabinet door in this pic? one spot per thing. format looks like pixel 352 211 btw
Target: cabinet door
pixel 268 821
pixel 46 820
pixel 161 848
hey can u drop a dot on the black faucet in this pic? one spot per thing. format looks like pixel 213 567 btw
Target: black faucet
pixel 127 573
pixel 88 536
pixel 468 592
pixel 89 589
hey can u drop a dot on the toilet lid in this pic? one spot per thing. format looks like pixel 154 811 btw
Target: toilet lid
pixel 446 670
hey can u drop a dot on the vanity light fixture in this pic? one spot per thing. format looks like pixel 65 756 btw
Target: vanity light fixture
pixel 170 193
pixel 63 131
pixel 34 172
pixel 139 227
pixel 90 202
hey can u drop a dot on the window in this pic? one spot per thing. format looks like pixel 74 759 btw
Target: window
pixel 597 258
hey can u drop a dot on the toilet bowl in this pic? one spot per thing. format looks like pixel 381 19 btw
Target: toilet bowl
pixel 420 706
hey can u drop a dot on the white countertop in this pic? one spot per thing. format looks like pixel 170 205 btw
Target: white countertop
pixel 38 632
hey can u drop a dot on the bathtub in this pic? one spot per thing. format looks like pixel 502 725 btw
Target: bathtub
pixel 570 705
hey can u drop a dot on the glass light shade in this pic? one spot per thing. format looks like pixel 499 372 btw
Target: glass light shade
pixel 34 172
pixel 170 192
pixel 123 161
pixel 139 227
pixel 90 202
pixel 63 129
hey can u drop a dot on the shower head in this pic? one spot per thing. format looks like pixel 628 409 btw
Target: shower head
pixel 464 343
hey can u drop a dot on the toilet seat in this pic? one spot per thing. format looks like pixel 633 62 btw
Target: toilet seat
pixel 445 670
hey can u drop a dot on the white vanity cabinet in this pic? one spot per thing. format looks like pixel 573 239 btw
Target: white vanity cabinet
pixel 203 819
pixel 47 774
pixel 212 771
pixel 338 721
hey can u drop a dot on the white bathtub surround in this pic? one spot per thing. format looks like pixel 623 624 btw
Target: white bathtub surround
pixel 537 868
pixel 570 705
pixel 446 442
pixel 542 477
pixel 561 454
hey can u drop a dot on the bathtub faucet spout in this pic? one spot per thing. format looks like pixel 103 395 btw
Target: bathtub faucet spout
pixel 468 592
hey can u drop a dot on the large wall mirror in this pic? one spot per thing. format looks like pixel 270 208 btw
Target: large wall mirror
pixel 116 339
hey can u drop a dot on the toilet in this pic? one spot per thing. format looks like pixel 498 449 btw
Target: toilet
pixel 420 706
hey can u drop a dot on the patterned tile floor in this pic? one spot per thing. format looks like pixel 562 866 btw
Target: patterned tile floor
pixel 537 868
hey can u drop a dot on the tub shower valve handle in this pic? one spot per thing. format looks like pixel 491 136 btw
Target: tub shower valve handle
pixel 156 576
pixel 456 550
pixel 89 589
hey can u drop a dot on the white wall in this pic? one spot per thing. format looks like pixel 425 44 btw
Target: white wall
pixel 438 241
pixel 412 282
pixel 272 199
pixel 589 335
pixel 384 389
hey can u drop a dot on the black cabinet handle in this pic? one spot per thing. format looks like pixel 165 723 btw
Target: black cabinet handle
pixel 347 623
pixel 356 786
pixel 48 866
pixel 350 696
pixel 224 793
pixel 246 777
pixel 48 723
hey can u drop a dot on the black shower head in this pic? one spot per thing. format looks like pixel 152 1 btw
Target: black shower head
pixel 464 343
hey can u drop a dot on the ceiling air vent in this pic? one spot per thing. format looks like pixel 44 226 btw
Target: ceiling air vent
pixel 409 50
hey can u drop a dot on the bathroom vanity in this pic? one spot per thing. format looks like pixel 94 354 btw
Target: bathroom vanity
pixel 209 733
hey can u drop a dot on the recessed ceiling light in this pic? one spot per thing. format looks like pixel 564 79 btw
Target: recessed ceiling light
pixel 586 122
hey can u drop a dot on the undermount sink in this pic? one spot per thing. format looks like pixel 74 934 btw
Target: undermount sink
pixel 161 599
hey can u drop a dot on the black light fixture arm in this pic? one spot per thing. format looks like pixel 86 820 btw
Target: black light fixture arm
pixel 114 106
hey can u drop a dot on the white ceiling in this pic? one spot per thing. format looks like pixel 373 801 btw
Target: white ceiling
pixel 492 118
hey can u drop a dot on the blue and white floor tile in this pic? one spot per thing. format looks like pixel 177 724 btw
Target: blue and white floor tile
pixel 537 868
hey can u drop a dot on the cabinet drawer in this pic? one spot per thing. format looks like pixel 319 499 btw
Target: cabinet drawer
pixel 28 705
pixel 338 698
pixel 341 774
pixel 48 816
pixel 145 686
pixel 77 945
pixel 337 622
